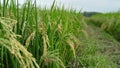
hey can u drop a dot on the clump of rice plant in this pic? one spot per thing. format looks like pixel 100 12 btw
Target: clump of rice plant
pixel 37 38
pixel 109 22
pixel 8 41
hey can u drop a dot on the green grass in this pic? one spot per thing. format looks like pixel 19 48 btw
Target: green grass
pixel 31 37
pixel 109 22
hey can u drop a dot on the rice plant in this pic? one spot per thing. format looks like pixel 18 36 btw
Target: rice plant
pixel 33 38
pixel 109 22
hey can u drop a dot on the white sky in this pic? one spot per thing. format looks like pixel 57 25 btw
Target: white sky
pixel 85 5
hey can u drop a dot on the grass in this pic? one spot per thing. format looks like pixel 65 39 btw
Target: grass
pixel 31 37
pixel 109 22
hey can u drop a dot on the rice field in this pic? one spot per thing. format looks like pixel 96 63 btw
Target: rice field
pixel 32 37
pixel 109 22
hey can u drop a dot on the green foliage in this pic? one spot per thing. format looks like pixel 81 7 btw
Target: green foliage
pixel 31 37
pixel 50 36
pixel 109 22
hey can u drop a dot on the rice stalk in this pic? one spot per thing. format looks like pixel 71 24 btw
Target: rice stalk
pixel 9 41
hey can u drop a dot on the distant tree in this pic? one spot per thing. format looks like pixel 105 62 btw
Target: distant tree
pixel 89 14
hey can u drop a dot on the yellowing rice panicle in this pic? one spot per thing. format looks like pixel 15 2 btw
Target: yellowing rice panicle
pixel 8 40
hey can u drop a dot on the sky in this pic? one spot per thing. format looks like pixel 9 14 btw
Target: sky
pixel 83 5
